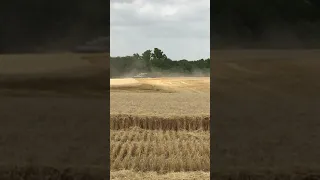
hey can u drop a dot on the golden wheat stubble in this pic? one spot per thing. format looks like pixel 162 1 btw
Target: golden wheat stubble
pixel 192 123
pixel 160 151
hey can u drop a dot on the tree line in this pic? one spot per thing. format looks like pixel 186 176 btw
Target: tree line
pixel 156 62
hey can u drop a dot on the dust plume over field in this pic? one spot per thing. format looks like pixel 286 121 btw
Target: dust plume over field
pixel 266 114
pixel 163 84
pixel 160 128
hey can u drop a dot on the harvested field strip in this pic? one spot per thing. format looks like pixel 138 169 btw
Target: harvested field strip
pixel 190 123
pixel 160 151
pixel 141 88
pixel 127 174
pixel 137 135
pixel 160 104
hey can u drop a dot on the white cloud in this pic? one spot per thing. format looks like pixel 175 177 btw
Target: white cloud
pixel 180 28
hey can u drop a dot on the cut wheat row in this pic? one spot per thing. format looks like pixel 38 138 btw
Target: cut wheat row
pixel 137 135
pixel 190 123
pixel 160 151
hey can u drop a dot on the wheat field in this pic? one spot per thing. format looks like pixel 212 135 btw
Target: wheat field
pixel 160 128
pixel 132 175
pixel 153 150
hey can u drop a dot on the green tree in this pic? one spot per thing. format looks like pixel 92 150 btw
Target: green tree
pixel 146 57
pixel 136 55
pixel 158 58
pixel 139 63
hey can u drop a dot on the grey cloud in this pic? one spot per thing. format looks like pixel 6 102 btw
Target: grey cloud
pixel 184 34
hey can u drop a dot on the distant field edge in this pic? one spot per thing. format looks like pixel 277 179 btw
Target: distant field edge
pixel 150 122
pixel 46 172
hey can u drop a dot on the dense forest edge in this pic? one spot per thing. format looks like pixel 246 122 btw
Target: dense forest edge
pixel 156 63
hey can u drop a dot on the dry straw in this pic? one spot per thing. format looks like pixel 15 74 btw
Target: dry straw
pixel 132 175
pixel 190 123
pixel 160 151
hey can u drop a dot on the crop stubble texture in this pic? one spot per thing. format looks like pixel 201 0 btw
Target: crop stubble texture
pixel 159 135
pixel 152 150
pixel 160 104
pixel 189 123
pixel 132 175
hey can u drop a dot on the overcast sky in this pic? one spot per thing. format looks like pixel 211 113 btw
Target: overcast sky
pixel 181 28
